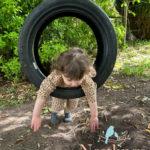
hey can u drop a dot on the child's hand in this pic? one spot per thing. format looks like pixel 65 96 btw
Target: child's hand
pixel 94 123
pixel 35 123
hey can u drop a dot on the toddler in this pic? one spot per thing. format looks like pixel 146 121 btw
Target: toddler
pixel 72 69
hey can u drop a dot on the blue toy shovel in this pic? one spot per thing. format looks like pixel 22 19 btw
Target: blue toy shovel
pixel 110 132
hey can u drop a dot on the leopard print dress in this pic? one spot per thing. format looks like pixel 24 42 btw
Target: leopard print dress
pixel 55 79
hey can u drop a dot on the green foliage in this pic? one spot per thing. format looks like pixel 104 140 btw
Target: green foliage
pixel 11 68
pixel 13 13
pixel 58 36
pixel 71 31
pixel 10 24
pixel 50 51
pixel 46 110
pixel 109 7
pixel 27 6
pixel 120 32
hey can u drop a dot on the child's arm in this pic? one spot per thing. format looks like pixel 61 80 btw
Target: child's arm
pixel 47 86
pixel 90 88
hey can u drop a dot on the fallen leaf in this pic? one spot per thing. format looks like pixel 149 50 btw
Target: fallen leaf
pixel 137 97
pixel 44 136
pixel 147 130
pixel 4 116
pixel 18 141
pixel 38 144
pixel 83 147
pixel 148 126
pixel 90 145
pixel 47 126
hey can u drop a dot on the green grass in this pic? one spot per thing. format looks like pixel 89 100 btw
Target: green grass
pixel 134 60
pixel 10 102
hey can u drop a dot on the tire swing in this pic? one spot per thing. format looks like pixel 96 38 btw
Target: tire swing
pixel 48 11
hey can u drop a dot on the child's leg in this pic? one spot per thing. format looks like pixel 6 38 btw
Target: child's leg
pixel 57 105
pixel 70 106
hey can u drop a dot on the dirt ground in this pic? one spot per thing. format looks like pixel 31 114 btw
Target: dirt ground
pixel 123 102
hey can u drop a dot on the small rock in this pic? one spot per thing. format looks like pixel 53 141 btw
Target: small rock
pixel 145 99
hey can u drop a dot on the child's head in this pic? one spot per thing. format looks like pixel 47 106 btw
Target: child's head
pixel 73 65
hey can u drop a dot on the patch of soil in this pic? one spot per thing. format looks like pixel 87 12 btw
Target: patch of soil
pixel 123 102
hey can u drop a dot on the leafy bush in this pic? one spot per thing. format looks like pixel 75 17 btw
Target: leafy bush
pixel 11 69
pixel 65 32
pixel 57 37
pixel 51 50
pixel 12 16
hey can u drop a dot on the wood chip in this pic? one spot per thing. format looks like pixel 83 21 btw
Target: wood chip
pixel 83 147
pixel 148 126
pixel 38 144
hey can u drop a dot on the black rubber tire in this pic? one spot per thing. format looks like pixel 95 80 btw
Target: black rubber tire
pixel 45 13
